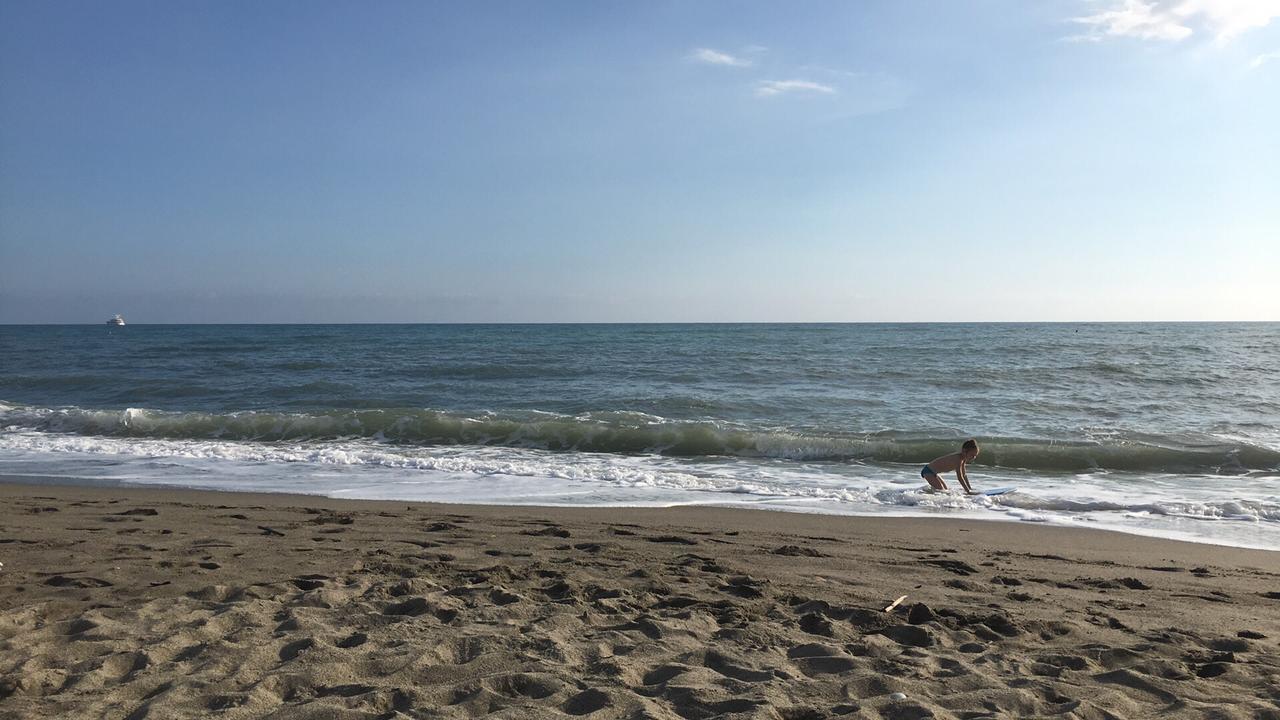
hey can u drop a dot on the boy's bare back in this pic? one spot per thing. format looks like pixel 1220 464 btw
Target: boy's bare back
pixel 947 463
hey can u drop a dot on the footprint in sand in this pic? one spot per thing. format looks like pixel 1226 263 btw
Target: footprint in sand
pixel 723 665
pixel 414 607
pixel 501 596
pixel 1213 669
pixel 222 703
pixel 346 691
pixel 696 702
pixel 559 591
pixel 294 649
pixel 910 635
pixel 189 653
pixel 352 640
pixel 587 702
pixel 797 551
pixel 1230 644
pixel 81 582
pixel 552 531
pixel 525 685
pixel 310 582
pixel 816 624
pixel 676 539
pixel 815 659
pixel 959 567
pixel 595 592
pixel 1066 662
pixel 743 586
pixel 663 673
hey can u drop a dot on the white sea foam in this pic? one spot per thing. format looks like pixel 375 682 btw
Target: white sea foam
pixel 1233 510
pixel 635 432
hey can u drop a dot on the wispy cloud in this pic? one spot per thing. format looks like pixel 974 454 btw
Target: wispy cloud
pixel 1133 18
pixel 770 88
pixel 1229 18
pixel 1176 20
pixel 715 57
pixel 846 93
pixel 1263 59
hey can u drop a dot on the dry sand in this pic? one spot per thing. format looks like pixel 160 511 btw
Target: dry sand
pixel 177 604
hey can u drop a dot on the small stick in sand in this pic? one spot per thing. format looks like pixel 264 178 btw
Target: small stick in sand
pixel 895 604
pixel 270 531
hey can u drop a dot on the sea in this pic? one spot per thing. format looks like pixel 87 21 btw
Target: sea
pixel 1164 429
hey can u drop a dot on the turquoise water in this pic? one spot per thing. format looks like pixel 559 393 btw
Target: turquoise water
pixel 1168 429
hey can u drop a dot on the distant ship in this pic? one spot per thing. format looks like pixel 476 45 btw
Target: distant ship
pixel 117 320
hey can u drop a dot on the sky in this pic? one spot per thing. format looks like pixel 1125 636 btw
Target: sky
pixel 657 161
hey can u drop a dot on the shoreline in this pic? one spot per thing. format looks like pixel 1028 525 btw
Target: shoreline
pixel 757 518
pixel 108 483
pixel 160 602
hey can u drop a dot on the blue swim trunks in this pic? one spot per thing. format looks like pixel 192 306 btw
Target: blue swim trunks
pixel 926 471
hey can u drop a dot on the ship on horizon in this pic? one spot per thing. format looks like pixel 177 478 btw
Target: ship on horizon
pixel 117 320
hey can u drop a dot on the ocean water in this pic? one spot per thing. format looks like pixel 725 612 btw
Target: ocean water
pixel 1161 429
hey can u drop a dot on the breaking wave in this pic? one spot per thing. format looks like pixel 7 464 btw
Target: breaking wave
pixel 717 484
pixel 631 433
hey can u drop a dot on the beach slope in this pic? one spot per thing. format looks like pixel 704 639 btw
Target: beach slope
pixel 130 603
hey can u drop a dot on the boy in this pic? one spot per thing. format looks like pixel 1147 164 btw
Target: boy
pixel 947 463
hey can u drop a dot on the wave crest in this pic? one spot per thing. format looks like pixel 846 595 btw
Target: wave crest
pixel 640 433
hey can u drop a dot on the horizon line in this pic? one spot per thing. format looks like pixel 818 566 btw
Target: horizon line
pixel 657 322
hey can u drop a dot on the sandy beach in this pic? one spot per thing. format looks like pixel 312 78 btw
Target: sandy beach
pixel 133 603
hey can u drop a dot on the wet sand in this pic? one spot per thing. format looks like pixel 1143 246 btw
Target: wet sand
pixel 133 603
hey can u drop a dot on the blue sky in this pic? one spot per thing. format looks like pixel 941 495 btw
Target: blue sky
pixel 646 161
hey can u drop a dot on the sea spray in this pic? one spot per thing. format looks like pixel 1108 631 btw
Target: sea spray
pixel 623 433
